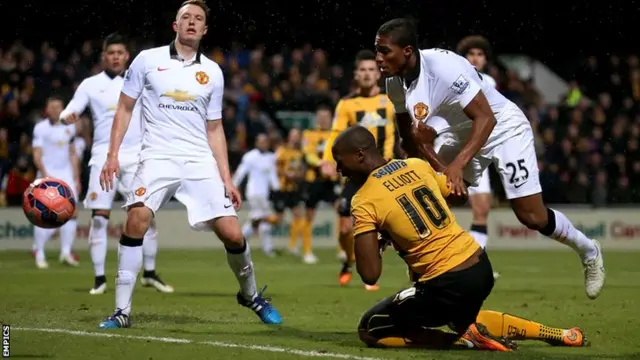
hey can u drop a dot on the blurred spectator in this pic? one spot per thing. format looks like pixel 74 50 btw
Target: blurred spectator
pixel 18 181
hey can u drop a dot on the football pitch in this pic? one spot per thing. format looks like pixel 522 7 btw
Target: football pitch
pixel 52 315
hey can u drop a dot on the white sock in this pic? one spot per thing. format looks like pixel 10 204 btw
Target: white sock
pixel 240 263
pixel 41 236
pixel 247 230
pixel 150 248
pixel 480 238
pixel 98 243
pixel 68 236
pixel 129 264
pixel 567 234
pixel 264 231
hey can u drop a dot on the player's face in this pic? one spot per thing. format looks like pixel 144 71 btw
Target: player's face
pixel 294 137
pixel 115 58
pixel 390 57
pixel 262 143
pixel 367 74
pixel 349 165
pixel 323 119
pixel 53 109
pixel 477 58
pixel 190 23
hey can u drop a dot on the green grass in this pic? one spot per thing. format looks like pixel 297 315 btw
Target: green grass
pixel 319 315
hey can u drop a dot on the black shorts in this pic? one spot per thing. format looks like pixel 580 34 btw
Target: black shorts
pixel 453 299
pixel 318 191
pixel 283 200
pixel 344 200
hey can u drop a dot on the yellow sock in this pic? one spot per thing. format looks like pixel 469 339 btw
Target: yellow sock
pixel 307 229
pixel 340 248
pixel 346 241
pixel 517 328
pixel 294 231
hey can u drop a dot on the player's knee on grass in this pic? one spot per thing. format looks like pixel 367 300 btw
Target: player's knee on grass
pixel 377 323
pixel 228 231
pixel 138 221
pixel 531 211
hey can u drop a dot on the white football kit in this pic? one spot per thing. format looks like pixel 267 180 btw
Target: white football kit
pixel 445 86
pixel 260 167
pixel 101 93
pixel 484 183
pixel 178 97
pixel 56 141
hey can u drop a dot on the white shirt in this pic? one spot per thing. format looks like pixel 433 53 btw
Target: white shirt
pixel 486 78
pixel 178 98
pixel 261 169
pixel 445 86
pixel 55 142
pixel 101 93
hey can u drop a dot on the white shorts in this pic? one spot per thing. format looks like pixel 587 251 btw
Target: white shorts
pixel 513 153
pixel 98 199
pixel 197 185
pixel 65 175
pixel 484 185
pixel 259 207
pixel 517 163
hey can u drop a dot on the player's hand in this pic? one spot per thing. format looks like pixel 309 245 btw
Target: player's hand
pixel 72 118
pixel 111 167
pixel 383 242
pixel 234 195
pixel 455 178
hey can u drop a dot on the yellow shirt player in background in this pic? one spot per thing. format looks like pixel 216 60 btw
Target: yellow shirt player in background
pixel 452 275
pixel 371 109
pixel 290 169
pixel 318 187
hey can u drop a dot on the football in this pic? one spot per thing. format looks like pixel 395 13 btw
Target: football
pixel 48 203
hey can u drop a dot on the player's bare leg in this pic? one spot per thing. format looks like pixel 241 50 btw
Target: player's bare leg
pixel 480 208
pixel 149 255
pixel 532 213
pixel 503 325
pixel 129 264
pixel 239 259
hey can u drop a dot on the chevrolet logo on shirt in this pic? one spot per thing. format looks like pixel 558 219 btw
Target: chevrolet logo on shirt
pixel 178 96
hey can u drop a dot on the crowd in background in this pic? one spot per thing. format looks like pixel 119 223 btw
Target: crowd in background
pixel 588 146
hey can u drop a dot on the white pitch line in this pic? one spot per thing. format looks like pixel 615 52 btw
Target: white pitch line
pixel 220 344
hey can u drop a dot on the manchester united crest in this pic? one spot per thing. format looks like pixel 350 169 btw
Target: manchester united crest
pixel 420 111
pixel 202 78
pixel 93 196
pixel 141 191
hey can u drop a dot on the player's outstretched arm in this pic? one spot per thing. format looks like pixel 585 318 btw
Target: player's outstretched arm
pixel 77 105
pixel 242 170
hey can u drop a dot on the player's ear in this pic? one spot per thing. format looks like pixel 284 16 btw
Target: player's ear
pixel 206 28
pixel 175 26
pixel 127 55
pixel 407 50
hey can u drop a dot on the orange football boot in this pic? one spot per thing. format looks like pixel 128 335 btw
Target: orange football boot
pixel 480 337
pixel 573 337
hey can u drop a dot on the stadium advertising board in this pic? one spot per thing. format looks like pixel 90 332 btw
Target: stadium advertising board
pixel 616 229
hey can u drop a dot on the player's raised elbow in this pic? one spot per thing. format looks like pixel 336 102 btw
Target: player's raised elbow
pixel 369 274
